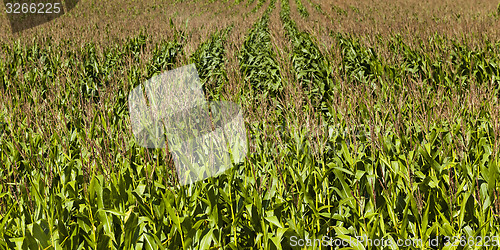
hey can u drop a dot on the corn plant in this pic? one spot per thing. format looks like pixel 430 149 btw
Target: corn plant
pixel 310 66
pixel 258 60
pixel 302 10
pixel 209 59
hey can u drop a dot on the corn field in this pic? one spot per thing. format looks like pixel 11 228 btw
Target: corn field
pixel 367 121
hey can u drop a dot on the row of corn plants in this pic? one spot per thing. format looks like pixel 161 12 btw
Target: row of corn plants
pixel 317 7
pixel 259 5
pixel 257 59
pixel 104 191
pixel 359 62
pixel 249 2
pixel 438 189
pixel 452 64
pixel 63 188
pixel 302 10
pixel 311 68
pixel 209 60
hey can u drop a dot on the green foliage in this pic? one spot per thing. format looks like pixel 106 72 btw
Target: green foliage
pixel 249 2
pixel 302 10
pixel 358 62
pixel 317 7
pixel 258 62
pixel 259 5
pixel 310 66
pixel 339 10
pixel 461 65
pixel 72 175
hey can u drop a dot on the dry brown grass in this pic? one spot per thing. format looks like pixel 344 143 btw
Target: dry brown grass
pixel 105 24
pixel 91 21
pixel 463 19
